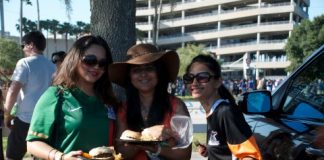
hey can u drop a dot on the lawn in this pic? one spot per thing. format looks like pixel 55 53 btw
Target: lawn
pixel 201 137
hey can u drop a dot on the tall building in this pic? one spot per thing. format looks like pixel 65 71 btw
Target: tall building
pixel 247 36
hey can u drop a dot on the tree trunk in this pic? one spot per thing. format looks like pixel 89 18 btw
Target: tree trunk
pixel 114 20
pixel 154 36
pixel 2 19
pixel 38 19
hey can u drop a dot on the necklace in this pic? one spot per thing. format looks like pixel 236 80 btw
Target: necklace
pixel 145 112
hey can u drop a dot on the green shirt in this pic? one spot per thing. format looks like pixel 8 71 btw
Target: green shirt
pixel 80 123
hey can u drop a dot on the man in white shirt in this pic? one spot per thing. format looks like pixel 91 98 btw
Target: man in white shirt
pixel 31 77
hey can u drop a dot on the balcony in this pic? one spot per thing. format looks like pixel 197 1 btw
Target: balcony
pixel 224 15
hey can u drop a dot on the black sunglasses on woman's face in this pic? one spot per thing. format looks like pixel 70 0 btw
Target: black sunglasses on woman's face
pixel 91 61
pixel 202 77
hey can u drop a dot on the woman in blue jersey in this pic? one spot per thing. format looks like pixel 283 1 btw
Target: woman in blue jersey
pixel 76 114
pixel 228 135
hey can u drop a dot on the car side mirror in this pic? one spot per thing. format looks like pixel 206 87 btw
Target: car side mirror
pixel 256 102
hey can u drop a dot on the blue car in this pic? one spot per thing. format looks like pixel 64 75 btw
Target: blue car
pixel 284 121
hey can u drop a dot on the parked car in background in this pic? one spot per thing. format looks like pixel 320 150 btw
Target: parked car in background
pixel 285 121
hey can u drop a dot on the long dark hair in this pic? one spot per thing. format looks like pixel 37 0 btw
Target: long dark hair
pixel 67 75
pixel 160 106
pixel 214 66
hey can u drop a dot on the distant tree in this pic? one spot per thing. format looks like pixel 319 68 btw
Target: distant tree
pixel 78 28
pixel 65 29
pixel 156 18
pixel 10 53
pixel 53 28
pixel 140 35
pixel 27 25
pixel 187 53
pixel 304 39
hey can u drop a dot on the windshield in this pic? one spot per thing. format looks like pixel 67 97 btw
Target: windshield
pixel 305 97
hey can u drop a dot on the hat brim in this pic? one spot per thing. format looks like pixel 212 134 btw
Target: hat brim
pixel 118 71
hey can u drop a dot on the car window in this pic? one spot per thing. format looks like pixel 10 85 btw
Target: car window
pixel 305 96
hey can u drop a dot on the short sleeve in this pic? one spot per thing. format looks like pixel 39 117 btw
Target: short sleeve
pixel 239 137
pixel 44 116
pixel 234 125
pixel 21 71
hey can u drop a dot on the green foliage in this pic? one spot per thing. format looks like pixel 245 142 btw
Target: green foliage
pixel 10 53
pixel 187 53
pixel 305 38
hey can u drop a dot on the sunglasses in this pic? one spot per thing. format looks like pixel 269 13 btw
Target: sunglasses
pixel 202 77
pixel 91 61
pixel 138 70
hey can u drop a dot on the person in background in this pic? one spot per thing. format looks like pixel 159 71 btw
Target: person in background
pixel 228 135
pixel 58 57
pixel 149 106
pixel 76 114
pixel 31 77
pixel 1 123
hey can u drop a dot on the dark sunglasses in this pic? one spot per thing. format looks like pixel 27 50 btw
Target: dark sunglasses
pixel 202 77
pixel 91 60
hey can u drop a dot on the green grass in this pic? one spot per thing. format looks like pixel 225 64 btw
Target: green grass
pixel 201 137
pixel 4 143
pixel 184 98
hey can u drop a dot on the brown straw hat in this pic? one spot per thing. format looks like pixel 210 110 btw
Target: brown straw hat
pixel 144 54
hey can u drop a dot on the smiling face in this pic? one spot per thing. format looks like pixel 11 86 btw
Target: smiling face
pixel 144 77
pixel 204 89
pixel 89 74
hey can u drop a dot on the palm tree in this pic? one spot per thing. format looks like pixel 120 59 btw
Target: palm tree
pixel 27 25
pixel 78 28
pixel 65 29
pixel 38 19
pixel 53 27
pixel 46 26
pixel 156 18
pixel 2 19
pixel 21 15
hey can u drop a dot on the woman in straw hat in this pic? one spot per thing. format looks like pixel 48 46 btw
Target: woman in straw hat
pixel 149 106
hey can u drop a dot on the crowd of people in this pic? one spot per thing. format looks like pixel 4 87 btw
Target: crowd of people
pixel 67 109
pixel 235 86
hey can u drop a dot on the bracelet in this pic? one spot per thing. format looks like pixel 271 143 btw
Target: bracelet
pixel 62 158
pixel 55 153
pixel 49 153
pixel 157 153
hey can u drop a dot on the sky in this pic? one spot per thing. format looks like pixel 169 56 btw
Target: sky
pixel 55 9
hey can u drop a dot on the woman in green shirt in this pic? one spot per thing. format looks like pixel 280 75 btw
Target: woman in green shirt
pixel 76 114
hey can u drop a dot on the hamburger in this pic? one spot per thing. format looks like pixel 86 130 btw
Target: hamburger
pixel 102 153
pixel 147 136
pixel 130 135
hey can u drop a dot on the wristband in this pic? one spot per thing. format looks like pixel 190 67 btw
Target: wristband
pixel 157 153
